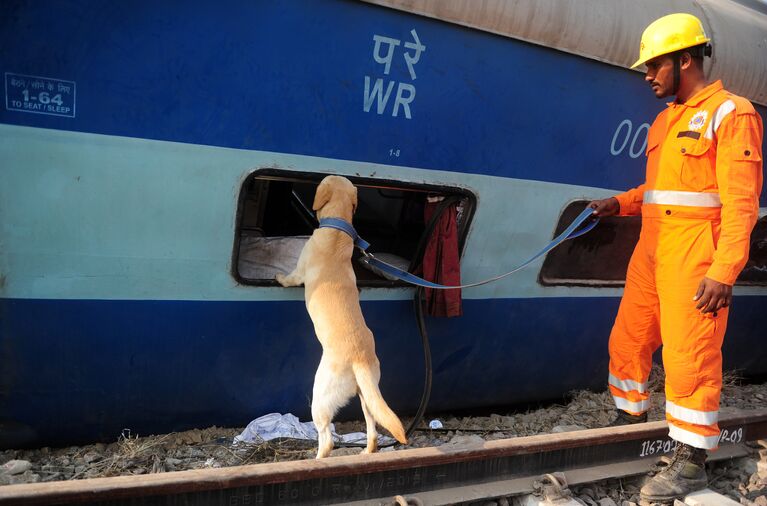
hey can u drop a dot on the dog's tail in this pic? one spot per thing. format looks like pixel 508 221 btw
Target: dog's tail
pixel 376 404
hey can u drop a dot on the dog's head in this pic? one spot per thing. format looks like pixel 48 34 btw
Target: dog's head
pixel 336 197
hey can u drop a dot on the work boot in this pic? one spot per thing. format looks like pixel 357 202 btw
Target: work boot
pixel 685 473
pixel 625 418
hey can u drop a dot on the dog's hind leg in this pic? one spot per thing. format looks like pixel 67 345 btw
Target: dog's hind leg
pixel 333 387
pixel 322 413
pixel 370 422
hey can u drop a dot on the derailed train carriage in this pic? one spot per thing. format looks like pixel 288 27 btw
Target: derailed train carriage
pixel 157 164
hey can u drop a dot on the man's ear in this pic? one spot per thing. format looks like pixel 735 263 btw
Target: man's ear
pixel 354 201
pixel 322 196
pixel 685 60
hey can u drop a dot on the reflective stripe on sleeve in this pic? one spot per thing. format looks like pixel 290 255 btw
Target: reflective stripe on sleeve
pixel 680 198
pixel 721 112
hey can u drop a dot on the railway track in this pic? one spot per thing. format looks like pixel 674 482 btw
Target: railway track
pixel 436 475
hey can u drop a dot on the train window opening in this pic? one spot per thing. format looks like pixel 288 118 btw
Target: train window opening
pixel 275 219
pixel 599 258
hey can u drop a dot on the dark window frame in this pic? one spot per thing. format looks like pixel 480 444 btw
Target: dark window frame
pixel 468 197
pixel 752 275
pixel 614 230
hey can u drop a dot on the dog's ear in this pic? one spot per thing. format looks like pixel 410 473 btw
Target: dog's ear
pixel 354 201
pixel 322 196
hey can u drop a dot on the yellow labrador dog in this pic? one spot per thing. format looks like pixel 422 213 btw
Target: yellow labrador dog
pixel 349 364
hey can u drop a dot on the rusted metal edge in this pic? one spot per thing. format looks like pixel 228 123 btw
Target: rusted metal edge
pixel 525 485
pixel 368 476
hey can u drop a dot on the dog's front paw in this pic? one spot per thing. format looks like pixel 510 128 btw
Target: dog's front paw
pixel 280 277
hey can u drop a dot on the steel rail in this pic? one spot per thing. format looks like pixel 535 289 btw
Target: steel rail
pixel 367 477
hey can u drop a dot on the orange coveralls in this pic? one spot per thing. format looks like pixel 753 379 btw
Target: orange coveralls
pixel 699 203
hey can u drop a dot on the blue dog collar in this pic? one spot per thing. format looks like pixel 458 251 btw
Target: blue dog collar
pixel 345 226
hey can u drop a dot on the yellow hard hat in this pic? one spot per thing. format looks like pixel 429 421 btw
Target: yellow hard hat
pixel 668 34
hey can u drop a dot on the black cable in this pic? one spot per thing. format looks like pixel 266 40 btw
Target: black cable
pixel 419 302
pixel 303 211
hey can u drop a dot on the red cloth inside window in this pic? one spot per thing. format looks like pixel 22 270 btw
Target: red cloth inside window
pixel 441 262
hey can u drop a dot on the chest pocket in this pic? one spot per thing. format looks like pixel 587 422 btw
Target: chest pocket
pixel 697 172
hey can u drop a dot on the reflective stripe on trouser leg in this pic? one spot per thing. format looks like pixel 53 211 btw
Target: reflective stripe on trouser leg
pixel 635 335
pixel 695 416
pixel 629 395
pixel 633 407
pixel 627 385
pixel 692 341
pixel 699 436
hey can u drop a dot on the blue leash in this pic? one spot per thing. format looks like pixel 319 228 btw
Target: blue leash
pixel 568 233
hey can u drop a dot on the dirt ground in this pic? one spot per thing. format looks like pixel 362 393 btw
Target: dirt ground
pixel 745 480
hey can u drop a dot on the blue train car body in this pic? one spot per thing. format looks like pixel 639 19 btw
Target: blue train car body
pixel 130 132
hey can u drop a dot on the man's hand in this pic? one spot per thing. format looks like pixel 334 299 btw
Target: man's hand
pixel 605 207
pixel 712 295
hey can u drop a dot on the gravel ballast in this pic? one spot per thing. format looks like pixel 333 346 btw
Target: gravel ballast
pixel 743 479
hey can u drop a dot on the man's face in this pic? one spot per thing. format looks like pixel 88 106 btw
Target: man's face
pixel 660 75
